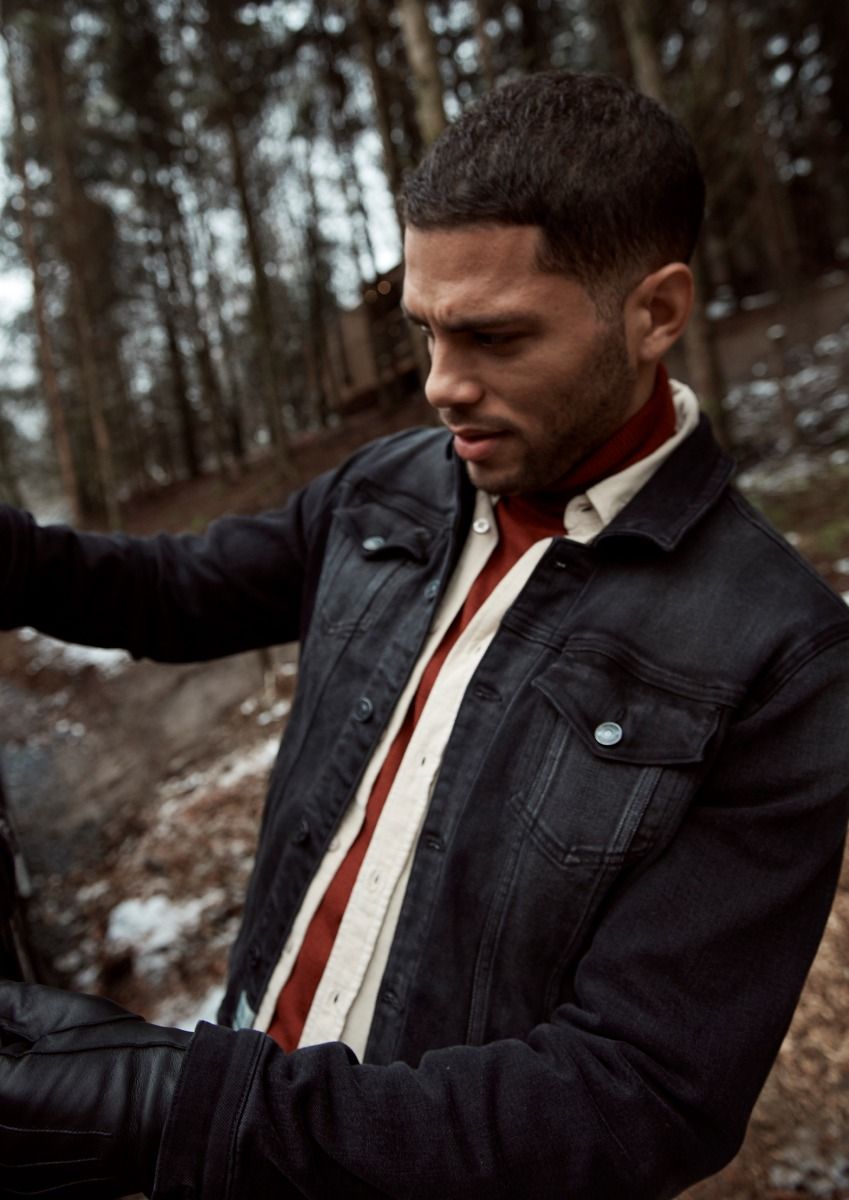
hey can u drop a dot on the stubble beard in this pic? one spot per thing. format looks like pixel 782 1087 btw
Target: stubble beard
pixel 591 411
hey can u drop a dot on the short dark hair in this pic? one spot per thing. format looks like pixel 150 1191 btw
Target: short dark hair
pixel 610 176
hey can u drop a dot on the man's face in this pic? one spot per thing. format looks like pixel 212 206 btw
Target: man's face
pixel 524 371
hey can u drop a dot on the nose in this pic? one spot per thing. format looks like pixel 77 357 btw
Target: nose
pixel 451 380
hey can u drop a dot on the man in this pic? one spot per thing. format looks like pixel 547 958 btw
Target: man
pixel 557 819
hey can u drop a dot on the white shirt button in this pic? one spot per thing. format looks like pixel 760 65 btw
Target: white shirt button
pixel 481 525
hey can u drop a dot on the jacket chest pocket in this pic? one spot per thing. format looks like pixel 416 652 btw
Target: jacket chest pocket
pixel 625 746
pixel 612 756
pixel 370 552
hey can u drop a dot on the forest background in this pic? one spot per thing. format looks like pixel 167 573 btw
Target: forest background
pixel 199 271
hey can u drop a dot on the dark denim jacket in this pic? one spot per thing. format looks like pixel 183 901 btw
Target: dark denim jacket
pixel 601 944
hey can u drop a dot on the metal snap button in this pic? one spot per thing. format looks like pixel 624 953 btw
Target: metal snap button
pixel 432 589
pixel 608 733
pixel 374 542
pixel 481 525
pixel 363 709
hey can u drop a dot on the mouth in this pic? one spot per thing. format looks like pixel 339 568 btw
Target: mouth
pixel 474 445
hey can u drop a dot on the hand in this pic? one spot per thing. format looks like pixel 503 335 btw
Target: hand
pixel 85 1088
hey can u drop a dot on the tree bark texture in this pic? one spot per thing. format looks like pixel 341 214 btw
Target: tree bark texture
pixel 699 336
pixel 424 61
pixel 72 234
pixel 46 358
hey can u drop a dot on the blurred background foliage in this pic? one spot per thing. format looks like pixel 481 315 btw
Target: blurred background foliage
pixel 200 220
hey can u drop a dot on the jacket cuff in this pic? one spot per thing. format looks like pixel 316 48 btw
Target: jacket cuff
pixel 197 1156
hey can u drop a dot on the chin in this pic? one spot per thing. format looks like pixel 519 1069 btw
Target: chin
pixel 498 483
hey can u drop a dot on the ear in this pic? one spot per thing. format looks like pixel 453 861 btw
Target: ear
pixel 657 311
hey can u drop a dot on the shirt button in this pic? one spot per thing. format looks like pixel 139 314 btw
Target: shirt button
pixel 608 733
pixel 301 832
pixel 363 709
pixel 375 542
pixel 481 525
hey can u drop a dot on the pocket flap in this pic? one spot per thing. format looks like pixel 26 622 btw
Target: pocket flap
pixel 382 532
pixel 624 715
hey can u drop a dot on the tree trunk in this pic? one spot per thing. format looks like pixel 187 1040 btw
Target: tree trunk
pixel 10 490
pixel 636 26
pixel 175 235
pixel 774 216
pixel 424 61
pixel 182 401
pixel 698 339
pixel 485 49
pixel 72 235
pixel 534 52
pixel 229 356
pixel 609 18
pixel 367 38
pixel 47 364
pixel 262 296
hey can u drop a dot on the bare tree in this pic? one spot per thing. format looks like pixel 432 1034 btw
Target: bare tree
pixel 46 354
pixel 73 234
pixel 699 348
pixel 424 61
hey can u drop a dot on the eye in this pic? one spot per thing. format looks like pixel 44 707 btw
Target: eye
pixel 490 340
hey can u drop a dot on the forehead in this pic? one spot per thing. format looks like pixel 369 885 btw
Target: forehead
pixel 449 273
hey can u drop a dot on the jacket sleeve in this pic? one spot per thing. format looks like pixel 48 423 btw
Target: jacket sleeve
pixel 184 598
pixel 638 1086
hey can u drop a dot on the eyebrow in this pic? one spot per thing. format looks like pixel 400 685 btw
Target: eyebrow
pixel 481 322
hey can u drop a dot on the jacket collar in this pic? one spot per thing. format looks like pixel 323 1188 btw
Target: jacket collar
pixel 678 495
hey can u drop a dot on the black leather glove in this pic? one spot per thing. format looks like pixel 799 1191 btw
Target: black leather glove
pixel 85 1088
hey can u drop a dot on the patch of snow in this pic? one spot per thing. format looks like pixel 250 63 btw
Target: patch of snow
pixel 828 346
pixel 151 928
pixel 49 652
pixel 786 475
pixel 275 713
pixel 70 728
pixel 831 279
pixel 762 300
pixel 809 1167
pixel 717 309
pixel 93 891
pixel 225 773
pixel 255 762
pixel 808 418
pixel 836 402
